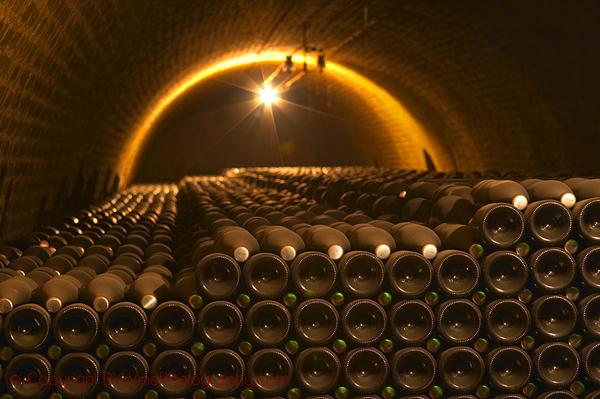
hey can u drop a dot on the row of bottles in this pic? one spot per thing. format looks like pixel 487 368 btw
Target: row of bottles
pixel 311 282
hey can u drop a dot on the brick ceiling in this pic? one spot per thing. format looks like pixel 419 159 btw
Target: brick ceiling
pixel 501 84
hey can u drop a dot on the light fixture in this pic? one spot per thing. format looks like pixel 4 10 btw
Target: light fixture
pixel 267 95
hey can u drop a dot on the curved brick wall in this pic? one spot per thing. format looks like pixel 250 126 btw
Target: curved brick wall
pixel 503 85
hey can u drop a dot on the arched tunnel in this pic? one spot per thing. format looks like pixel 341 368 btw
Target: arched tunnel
pixel 504 86
pixel 99 96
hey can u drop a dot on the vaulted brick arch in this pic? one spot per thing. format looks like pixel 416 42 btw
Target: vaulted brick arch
pixel 503 85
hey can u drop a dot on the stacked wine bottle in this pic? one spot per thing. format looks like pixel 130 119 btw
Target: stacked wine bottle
pixel 303 282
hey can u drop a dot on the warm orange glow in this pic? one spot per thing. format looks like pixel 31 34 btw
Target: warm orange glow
pixel 406 137
pixel 268 95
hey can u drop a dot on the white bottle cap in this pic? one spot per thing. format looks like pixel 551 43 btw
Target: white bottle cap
pixel 6 305
pixel 100 304
pixel 148 302
pixel 335 252
pixel 520 202
pixel 241 254
pixel 382 251
pixel 53 304
pixel 429 251
pixel 568 200
pixel 288 253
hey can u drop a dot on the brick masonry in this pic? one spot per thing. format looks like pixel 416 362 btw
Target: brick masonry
pixel 503 84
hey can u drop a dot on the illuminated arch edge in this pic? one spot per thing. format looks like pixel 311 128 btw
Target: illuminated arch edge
pixel 399 123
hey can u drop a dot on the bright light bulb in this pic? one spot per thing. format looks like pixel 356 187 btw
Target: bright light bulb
pixel 268 95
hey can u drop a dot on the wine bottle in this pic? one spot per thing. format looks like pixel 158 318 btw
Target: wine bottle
pixel 372 239
pixel 453 189
pixel 327 240
pixel 345 228
pixel 15 291
pixel 498 225
pixel 59 291
pixel 131 260
pixel 134 249
pixel 148 289
pixel 507 320
pixel 558 395
pixel 412 321
pixel 549 222
pixel 366 369
pixel 270 371
pixel 98 263
pixel 316 321
pixel 357 217
pixel 104 290
pixel 451 209
pixel 61 263
pixel 41 252
pixel 507 191
pixel 161 270
pixel 592 395
pixel 509 368
pixel 236 242
pixel 75 327
pixel 421 189
pixel 549 189
pixel 314 273
pixel 124 325
pixel 220 323
pixel 383 224
pixel 268 322
pixel 83 274
pixel 589 309
pixel 266 275
pixel 458 321
pixel 27 327
pixel 460 237
pixel 172 324
pixel 364 321
pixel 41 275
pixel 586 217
pixel 361 273
pixel 588 262
pixel 174 370
pixel 585 188
pixel 10 252
pixel 554 316
pixel 557 364
pixel 318 370
pixel 184 289
pixel 125 374
pixel 416 237
pixel 217 276
pixel 461 368
pixel 505 273
pixel 409 273
pixel 222 223
pixel 202 250
pixel 28 376
pixel 413 369
pixel 77 375
pixel 457 273
pixel 256 224
pixel 387 205
pixel 590 357
pixel 552 269
pixel 281 241
pixel 222 371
